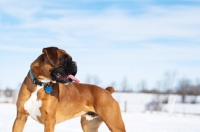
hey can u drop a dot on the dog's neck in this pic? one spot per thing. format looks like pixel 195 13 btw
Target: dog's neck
pixel 38 82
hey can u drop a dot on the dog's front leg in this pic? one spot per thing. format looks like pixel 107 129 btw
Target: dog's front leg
pixel 49 121
pixel 49 125
pixel 19 122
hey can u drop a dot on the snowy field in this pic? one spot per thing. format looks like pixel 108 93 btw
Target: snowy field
pixel 136 102
pixel 134 121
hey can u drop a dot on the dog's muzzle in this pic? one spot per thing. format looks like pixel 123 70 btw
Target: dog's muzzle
pixel 65 73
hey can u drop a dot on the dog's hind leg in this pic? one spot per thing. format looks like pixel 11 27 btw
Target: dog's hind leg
pixel 90 125
pixel 111 115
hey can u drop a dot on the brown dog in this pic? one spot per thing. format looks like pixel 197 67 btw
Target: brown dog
pixel 50 94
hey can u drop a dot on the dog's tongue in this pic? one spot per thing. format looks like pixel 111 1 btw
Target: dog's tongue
pixel 73 78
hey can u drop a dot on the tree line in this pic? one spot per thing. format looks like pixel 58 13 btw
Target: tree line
pixel 168 85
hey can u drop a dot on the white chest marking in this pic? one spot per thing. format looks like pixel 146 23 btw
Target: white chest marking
pixel 32 105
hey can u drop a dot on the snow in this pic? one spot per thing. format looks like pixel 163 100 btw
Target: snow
pixel 134 122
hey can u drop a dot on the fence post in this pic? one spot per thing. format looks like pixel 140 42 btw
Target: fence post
pixel 125 106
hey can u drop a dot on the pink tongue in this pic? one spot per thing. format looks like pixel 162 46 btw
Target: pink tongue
pixel 73 78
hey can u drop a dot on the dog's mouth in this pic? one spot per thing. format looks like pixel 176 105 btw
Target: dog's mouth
pixel 65 73
pixel 64 78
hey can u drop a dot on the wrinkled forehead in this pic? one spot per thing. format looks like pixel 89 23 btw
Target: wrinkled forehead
pixel 62 53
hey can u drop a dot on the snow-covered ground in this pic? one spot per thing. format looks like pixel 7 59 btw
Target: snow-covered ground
pixel 134 121
pixel 136 102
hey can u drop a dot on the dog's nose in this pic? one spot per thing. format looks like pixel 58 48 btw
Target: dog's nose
pixel 74 63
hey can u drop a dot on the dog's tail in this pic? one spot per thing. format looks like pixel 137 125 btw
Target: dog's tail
pixel 110 89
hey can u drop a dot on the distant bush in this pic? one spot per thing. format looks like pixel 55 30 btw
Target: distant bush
pixel 155 104
pixel 8 93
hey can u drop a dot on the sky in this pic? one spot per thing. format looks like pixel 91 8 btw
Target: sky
pixel 112 41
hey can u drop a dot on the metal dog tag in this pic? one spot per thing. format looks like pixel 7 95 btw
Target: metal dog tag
pixel 48 89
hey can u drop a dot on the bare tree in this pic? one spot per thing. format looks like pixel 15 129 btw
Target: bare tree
pixel 0 89
pixel 168 83
pixel 198 86
pixel 159 86
pixel 183 86
pixel 124 85
pixel 142 85
pixel 195 91
pixel 169 78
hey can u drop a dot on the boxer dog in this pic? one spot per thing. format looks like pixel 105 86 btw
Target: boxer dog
pixel 51 94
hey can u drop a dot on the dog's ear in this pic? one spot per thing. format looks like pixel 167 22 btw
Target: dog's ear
pixel 51 53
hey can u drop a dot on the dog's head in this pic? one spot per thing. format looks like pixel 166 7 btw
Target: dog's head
pixel 56 64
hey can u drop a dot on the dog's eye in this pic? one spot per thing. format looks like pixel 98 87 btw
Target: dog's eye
pixel 63 59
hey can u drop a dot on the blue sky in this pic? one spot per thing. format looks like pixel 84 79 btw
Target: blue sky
pixel 112 40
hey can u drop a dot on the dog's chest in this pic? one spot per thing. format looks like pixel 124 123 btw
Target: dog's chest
pixel 32 105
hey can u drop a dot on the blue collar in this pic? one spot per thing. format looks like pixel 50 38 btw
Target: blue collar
pixel 35 81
